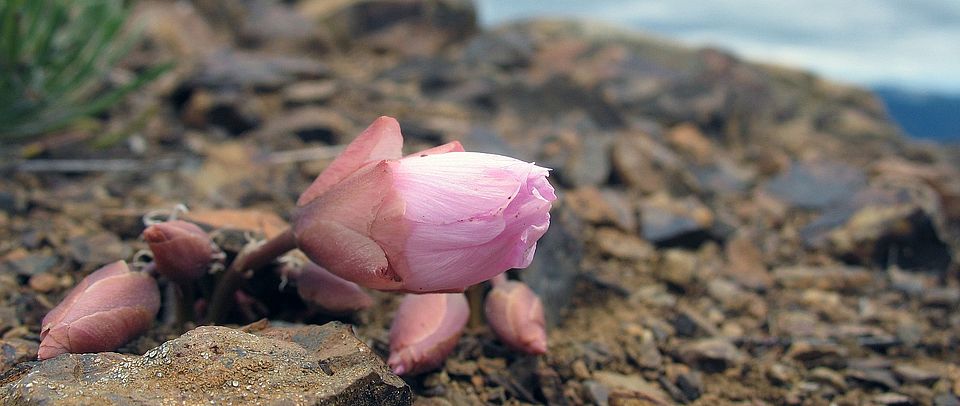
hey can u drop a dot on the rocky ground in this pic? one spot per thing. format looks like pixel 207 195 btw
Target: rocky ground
pixel 728 233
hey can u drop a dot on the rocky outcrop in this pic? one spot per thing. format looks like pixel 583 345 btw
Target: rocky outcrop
pixel 291 365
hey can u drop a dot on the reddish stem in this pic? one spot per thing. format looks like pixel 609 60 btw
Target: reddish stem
pixel 252 257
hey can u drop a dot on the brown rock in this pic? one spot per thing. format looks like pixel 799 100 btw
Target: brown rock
pixel 267 223
pixel 579 159
pixel 96 249
pixel 425 26
pixel 627 388
pixel 942 178
pixel 44 282
pixel 306 92
pixel 873 378
pixel 818 354
pixel 644 351
pixel 665 220
pixel 796 324
pixel 811 185
pixel 732 297
pixel 895 222
pixel 210 364
pixel 232 111
pixel 828 376
pixel 891 398
pixel 14 351
pixel 688 139
pixel 308 123
pixel 781 374
pixel 622 245
pixel 602 207
pixel 678 267
pixel 179 31
pixel 832 278
pixel 644 164
pixel 229 69
pixel 745 264
pixel 711 354
pixel 279 27
pixel 8 318
pixel 913 374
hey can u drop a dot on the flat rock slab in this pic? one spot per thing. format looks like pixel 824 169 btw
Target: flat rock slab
pixel 303 365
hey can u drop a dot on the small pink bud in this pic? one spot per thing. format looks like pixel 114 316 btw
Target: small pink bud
pixel 181 250
pixel 515 314
pixel 332 293
pixel 105 310
pixel 435 221
pixel 425 331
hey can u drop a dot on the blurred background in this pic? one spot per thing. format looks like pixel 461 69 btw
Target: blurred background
pixel 907 52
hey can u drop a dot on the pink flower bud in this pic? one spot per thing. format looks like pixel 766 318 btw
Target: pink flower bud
pixel 332 293
pixel 181 250
pixel 435 221
pixel 105 310
pixel 425 331
pixel 515 314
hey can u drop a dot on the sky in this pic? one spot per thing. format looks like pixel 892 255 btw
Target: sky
pixel 913 45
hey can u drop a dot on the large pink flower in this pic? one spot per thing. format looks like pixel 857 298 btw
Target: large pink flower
pixel 435 221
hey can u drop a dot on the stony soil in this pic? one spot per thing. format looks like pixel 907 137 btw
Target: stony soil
pixel 728 233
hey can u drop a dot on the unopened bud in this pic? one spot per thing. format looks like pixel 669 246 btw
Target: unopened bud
pixel 181 250
pixel 515 314
pixel 425 331
pixel 105 310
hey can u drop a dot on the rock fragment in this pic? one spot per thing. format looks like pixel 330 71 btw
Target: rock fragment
pixel 211 364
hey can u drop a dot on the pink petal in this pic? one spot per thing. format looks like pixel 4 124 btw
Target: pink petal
pixel 458 186
pixel 102 331
pixel 425 331
pixel 333 230
pixel 330 292
pixel 102 315
pixel 515 314
pixel 453 146
pixel 59 312
pixel 453 256
pixel 381 140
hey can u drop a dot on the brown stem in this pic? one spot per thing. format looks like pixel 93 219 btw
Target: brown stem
pixel 475 300
pixel 186 295
pixel 252 257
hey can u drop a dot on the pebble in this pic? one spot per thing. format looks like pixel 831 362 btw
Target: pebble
pixel 880 378
pixel 668 221
pixel 812 185
pixel 913 374
pixel 691 383
pixel 711 354
pixel 828 376
pixel 44 282
pixel 745 264
pixel 617 244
